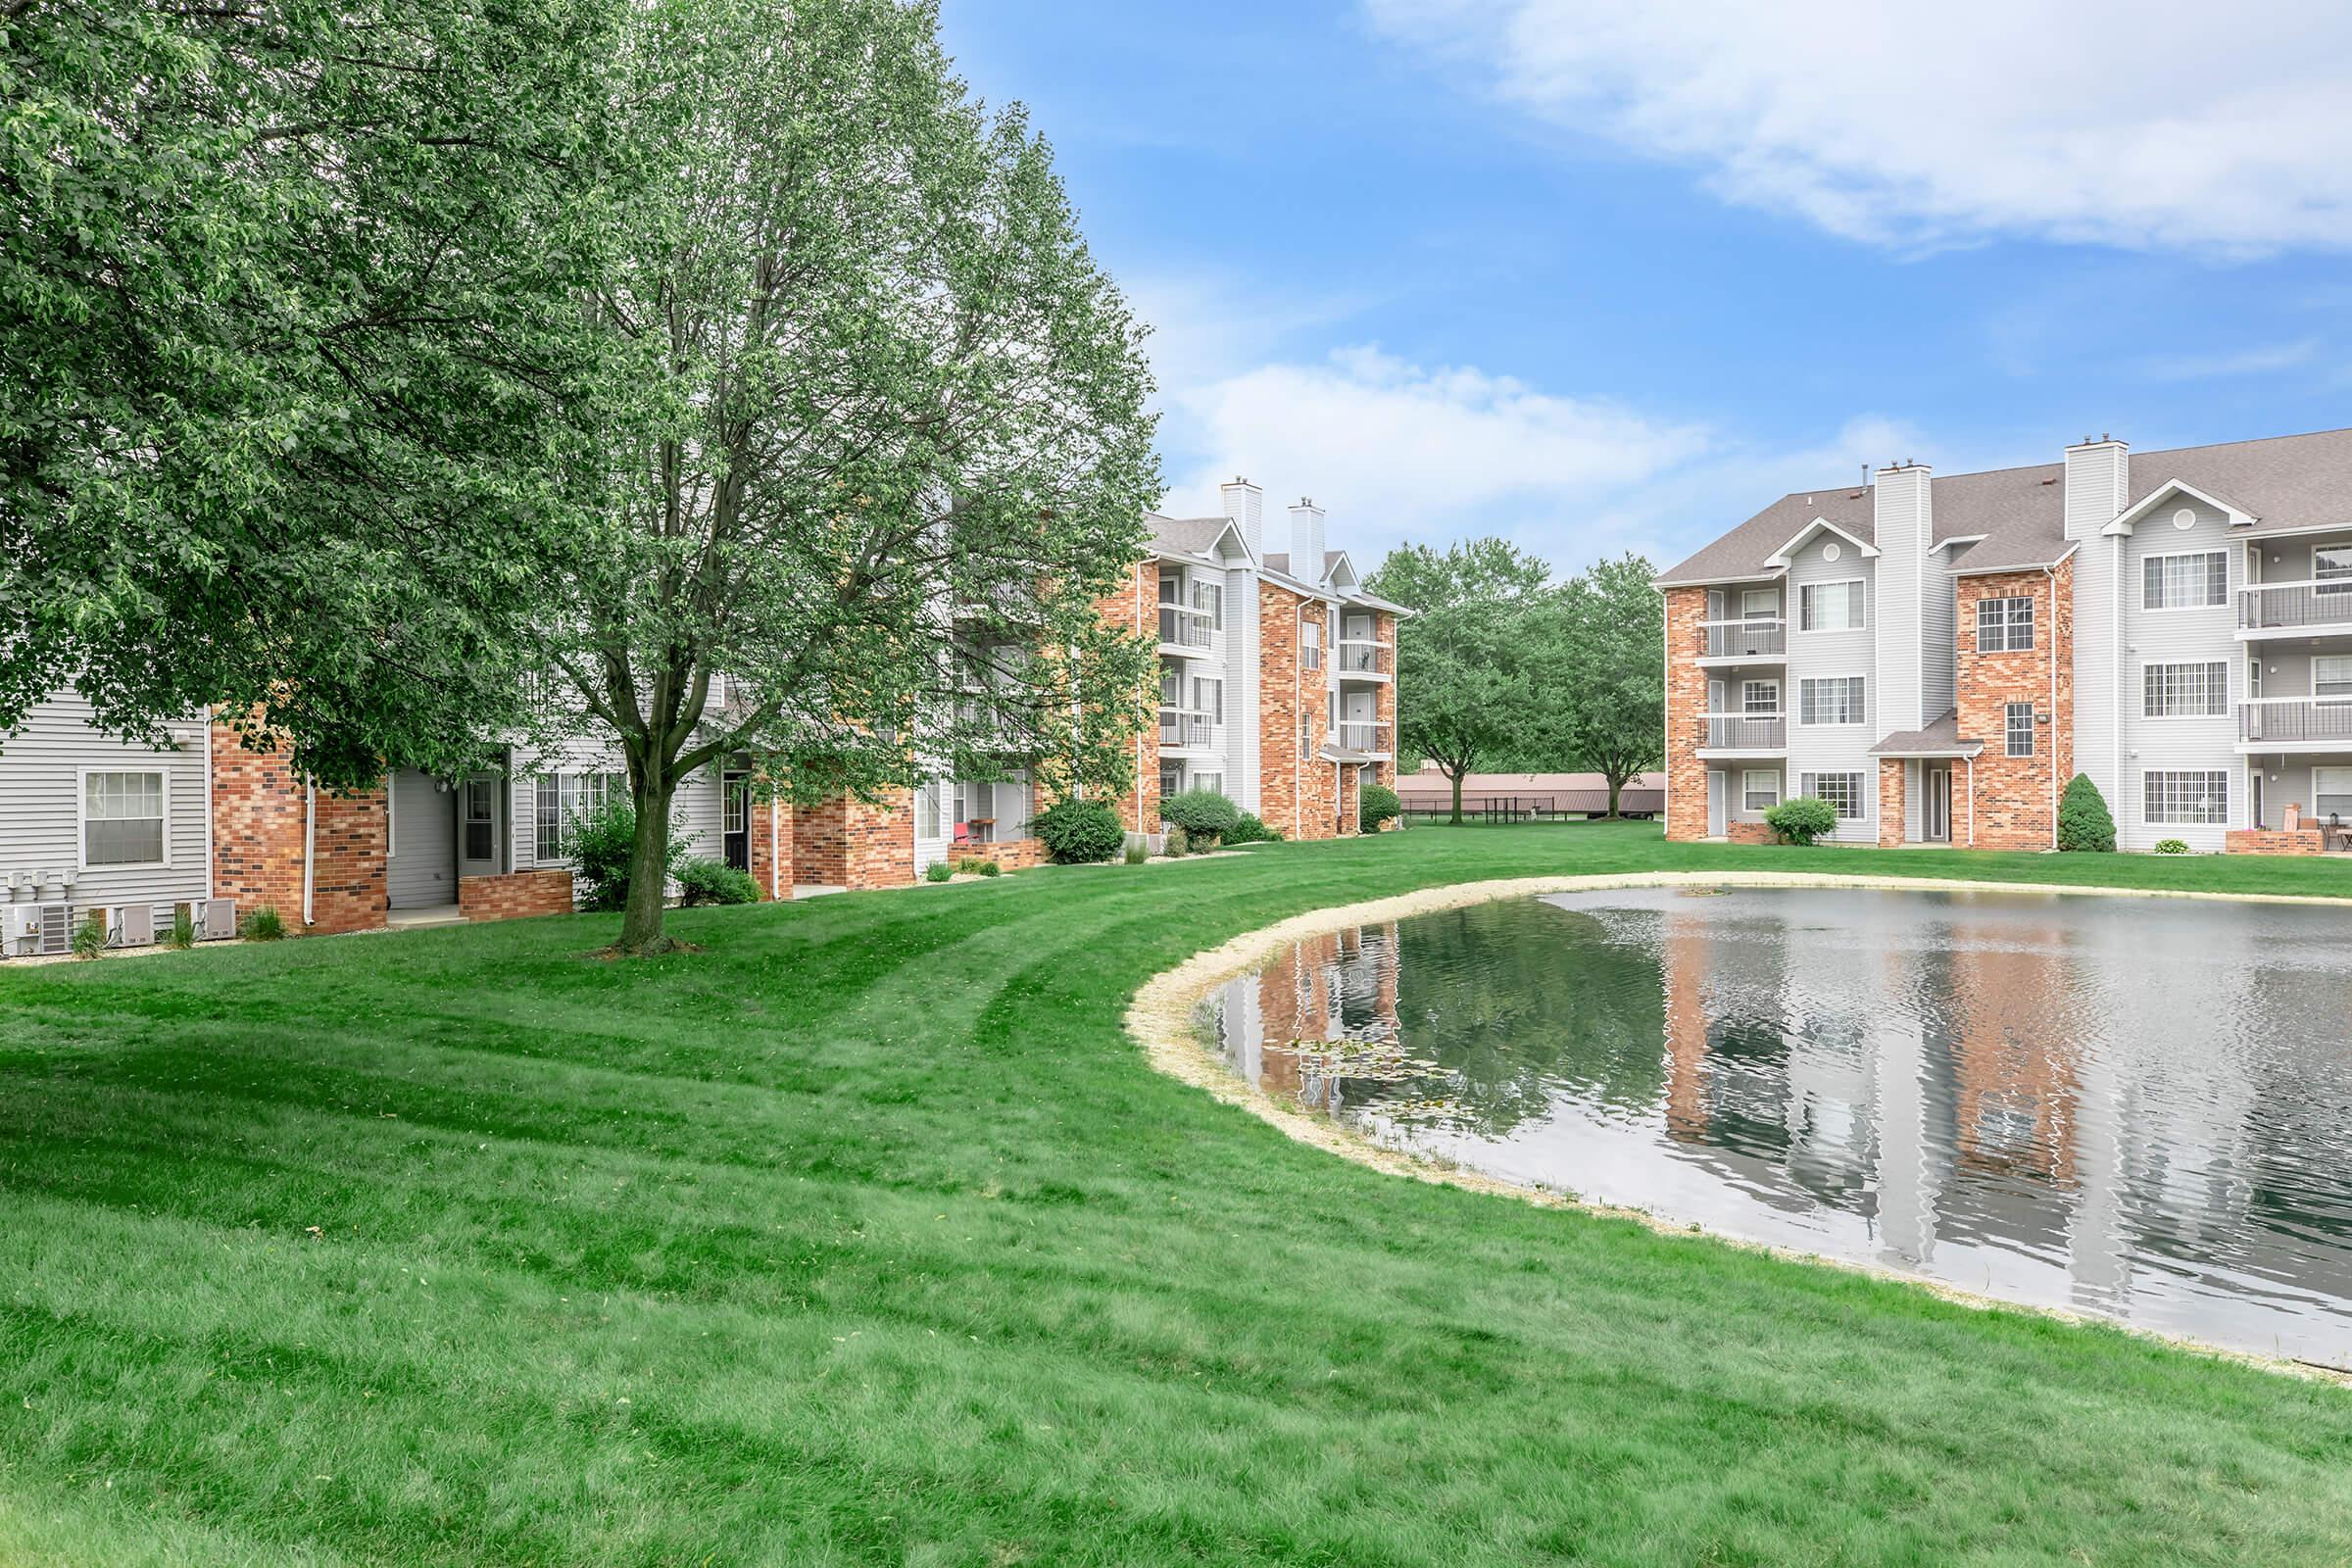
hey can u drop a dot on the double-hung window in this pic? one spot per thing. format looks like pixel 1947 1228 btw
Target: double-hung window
pixel 2197 798
pixel 2331 675
pixel 2016 722
pixel 562 797
pixel 122 817
pixel 2185 691
pixel 1310 645
pixel 1210 597
pixel 2184 582
pixel 1843 791
pixel 1760 699
pixel 2331 569
pixel 1831 607
pixel 2004 625
pixel 1832 700
pixel 1759 790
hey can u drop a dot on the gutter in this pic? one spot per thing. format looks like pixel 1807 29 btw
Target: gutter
pixel 310 847
pixel 2050 572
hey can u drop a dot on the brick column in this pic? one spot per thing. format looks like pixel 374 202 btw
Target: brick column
pixel 771 847
pixel 258 811
pixel 2013 794
pixel 1136 608
pixel 1277 763
pixel 1891 802
pixel 1384 627
pixel 1686 701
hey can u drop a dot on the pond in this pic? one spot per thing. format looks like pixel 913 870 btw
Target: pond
pixel 2134 1107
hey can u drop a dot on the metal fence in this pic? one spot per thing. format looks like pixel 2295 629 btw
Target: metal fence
pixel 1560 805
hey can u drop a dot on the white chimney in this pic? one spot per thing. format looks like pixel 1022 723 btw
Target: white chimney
pixel 2098 485
pixel 1904 518
pixel 1246 509
pixel 1306 542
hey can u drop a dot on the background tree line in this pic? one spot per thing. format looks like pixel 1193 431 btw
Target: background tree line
pixel 1501 669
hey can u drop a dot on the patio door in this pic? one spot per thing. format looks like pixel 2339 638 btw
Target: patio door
pixel 735 828
pixel 1935 815
pixel 480 839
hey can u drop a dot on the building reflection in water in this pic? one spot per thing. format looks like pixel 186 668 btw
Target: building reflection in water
pixel 2134 1107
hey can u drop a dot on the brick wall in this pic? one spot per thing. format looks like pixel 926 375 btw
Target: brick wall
pixel 772 843
pixel 1686 701
pixel 2012 795
pixel 1278 710
pixel 1136 608
pixel 258 831
pixel 1384 627
pixel 1750 833
pixel 1891 802
pixel 514 895
pixel 1351 779
pixel 856 843
pixel 2273 841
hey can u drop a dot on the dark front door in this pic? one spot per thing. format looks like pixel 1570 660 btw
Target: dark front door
pixel 737 829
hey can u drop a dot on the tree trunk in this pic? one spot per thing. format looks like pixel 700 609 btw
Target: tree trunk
pixel 1615 784
pixel 1457 797
pixel 649 873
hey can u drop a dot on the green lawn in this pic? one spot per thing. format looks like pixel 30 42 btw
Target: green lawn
pixel 864 1235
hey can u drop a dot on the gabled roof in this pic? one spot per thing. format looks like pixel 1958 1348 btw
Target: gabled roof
pixel 1197 536
pixel 1941 738
pixel 1780 558
pixel 2016 516
pixel 2174 490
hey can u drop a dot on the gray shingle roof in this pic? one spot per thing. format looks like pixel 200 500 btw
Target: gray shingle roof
pixel 1186 536
pixel 1941 738
pixel 2286 482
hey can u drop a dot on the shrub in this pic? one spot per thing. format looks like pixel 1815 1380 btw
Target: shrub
pixel 1375 805
pixel 1079 832
pixel 1137 851
pixel 600 845
pixel 89 937
pixel 1248 829
pixel 1803 818
pixel 2170 847
pixel 1205 816
pixel 979 867
pixel 261 925
pixel 1175 843
pixel 938 871
pixel 2084 822
pixel 715 882
pixel 182 934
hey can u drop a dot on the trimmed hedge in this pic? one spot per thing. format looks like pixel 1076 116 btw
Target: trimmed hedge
pixel 1205 816
pixel 2084 821
pixel 1376 803
pixel 1803 818
pixel 1078 832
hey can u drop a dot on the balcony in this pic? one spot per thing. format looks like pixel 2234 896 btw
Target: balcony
pixel 1361 658
pixel 1361 735
pixel 2295 723
pixel 1738 642
pixel 1184 631
pixel 2287 609
pixel 1760 733
pixel 1183 728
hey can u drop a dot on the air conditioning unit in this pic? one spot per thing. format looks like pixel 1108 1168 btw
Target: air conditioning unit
pixel 134 926
pixel 56 934
pixel 19 930
pixel 215 919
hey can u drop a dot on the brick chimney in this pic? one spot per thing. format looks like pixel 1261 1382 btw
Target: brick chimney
pixel 1246 509
pixel 1306 542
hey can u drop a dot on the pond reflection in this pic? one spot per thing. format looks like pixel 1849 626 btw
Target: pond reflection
pixel 2137 1107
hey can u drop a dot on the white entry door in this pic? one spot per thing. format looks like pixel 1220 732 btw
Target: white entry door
pixel 1719 806
pixel 481 828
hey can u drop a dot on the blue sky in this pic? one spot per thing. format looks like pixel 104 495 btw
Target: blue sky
pixel 1601 277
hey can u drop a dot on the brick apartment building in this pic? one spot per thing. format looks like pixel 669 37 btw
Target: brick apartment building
pixel 1938 655
pixel 1277 686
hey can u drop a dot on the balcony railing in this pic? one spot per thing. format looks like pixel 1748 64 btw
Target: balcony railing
pixel 2295 720
pixel 1744 732
pixel 1179 726
pixel 1358 657
pixel 2291 605
pixel 1362 734
pixel 1743 639
pixel 1183 626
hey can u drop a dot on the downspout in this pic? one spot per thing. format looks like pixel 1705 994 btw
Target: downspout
pixel 2051 573
pixel 211 885
pixel 775 847
pixel 2115 585
pixel 310 847
pixel 1972 802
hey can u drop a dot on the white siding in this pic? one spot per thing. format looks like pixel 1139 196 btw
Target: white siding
pixel 1938 641
pixel 2204 635
pixel 41 768
pixel 1904 518
pixel 1835 749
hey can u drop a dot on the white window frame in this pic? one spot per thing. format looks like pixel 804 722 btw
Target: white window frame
pixel 1862 705
pixel 569 803
pixel 2221 712
pixel 1810 782
pixel 2010 731
pixel 2152 559
pixel 2343 679
pixel 2336 582
pixel 81 819
pixel 2337 775
pixel 1747 604
pixel 927 801
pixel 2009 624
pixel 1747 788
pixel 1206 781
pixel 1310 643
pixel 1211 596
pixel 1747 699
pixel 1805 595
pixel 2150 775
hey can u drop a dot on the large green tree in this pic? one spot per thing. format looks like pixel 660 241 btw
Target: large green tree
pixel 1466 694
pixel 1605 673
pixel 875 430
pixel 291 357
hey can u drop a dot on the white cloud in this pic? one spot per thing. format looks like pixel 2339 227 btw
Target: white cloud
pixel 2213 127
pixel 2263 359
pixel 1396 451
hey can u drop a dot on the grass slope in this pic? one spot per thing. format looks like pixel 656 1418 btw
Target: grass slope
pixel 864 1237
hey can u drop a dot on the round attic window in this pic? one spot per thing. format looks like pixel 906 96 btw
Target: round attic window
pixel 1831 550
pixel 2185 519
